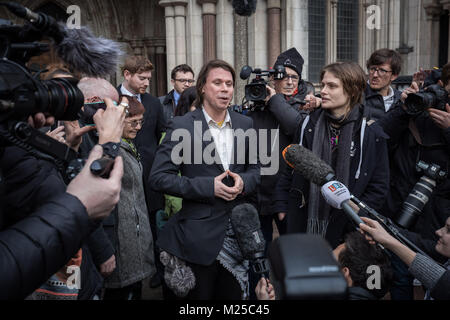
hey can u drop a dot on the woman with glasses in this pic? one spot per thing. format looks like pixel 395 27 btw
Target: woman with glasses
pixel 129 227
pixel 339 133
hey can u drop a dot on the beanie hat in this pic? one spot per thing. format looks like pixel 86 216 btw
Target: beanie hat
pixel 291 58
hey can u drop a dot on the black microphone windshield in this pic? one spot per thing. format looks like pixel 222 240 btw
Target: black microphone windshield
pixel 247 228
pixel 244 7
pixel 308 164
pixel 245 72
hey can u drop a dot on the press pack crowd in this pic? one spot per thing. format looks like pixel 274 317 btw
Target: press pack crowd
pixel 161 219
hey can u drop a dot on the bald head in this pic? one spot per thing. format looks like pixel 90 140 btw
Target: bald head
pixel 97 87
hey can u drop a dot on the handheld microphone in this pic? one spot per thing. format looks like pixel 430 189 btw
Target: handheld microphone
pixel 310 166
pixel 246 226
pixel 79 48
pixel 337 195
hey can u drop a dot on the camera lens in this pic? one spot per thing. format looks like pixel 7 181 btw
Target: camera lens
pixel 257 91
pixel 61 98
pixel 416 200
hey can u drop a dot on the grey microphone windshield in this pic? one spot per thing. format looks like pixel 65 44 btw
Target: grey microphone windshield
pixel 309 165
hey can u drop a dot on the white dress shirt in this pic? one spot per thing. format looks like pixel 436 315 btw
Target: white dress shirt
pixel 223 138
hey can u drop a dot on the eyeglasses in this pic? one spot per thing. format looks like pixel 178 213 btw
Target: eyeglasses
pixel 381 72
pixel 293 77
pixel 183 81
pixel 135 123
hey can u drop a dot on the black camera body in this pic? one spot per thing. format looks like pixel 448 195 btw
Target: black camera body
pixel 256 91
pixel 420 194
pixel 23 94
pixel 433 96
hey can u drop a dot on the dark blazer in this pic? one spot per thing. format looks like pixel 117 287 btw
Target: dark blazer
pixel 147 141
pixel 196 233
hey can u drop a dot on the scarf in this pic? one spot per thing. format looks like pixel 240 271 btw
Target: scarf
pixel 318 209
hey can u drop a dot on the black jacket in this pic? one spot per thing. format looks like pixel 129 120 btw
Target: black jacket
pixel 40 234
pixel 405 152
pixel 168 106
pixel 269 120
pixel 196 233
pixel 32 183
pixel 374 103
pixel 292 191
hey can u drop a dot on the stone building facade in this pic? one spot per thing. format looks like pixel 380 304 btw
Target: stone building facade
pixel 171 32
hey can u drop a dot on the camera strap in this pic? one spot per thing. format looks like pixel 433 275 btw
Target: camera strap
pixel 415 132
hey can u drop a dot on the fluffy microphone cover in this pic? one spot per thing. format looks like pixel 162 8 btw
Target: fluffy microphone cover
pixel 247 228
pixel 90 55
pixel 244 7
pixel 307 164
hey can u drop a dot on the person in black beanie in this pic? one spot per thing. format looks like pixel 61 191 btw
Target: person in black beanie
pixel 281 117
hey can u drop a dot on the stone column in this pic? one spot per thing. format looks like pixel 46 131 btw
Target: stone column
pixel 273 30
pixel 331 47
pixel 225 38
pixel 209 29
pixel 194 36
pixel 175 15
pixel 433 10
pixel 257 37
pixel 180 33
pixel 240 54
pixel 296 32
pixel 170 36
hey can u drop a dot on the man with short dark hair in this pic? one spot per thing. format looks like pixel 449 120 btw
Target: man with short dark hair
pixel 359 260
pixel 384 66
pixel 181 77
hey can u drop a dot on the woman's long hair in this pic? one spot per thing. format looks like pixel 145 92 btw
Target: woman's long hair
pixel 186 100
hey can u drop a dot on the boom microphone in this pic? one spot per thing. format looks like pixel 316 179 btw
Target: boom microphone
pixel 310 166
pixel 244 7
pixel 246 71
pixel 246 226
pixel 79 48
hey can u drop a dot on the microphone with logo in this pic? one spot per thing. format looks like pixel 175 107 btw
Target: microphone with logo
pixel 246 226
pixel 314 169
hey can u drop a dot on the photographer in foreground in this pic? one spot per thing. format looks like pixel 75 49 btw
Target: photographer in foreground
pixel 434 277
pixel 64 219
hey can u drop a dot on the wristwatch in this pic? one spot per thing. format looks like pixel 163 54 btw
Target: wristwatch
pixel 111 149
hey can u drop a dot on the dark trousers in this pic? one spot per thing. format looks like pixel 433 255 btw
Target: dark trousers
pixel 131 292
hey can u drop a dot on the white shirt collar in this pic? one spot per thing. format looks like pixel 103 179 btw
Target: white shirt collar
pixel 128 93
pixel 209 119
